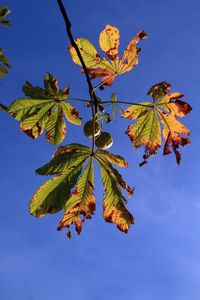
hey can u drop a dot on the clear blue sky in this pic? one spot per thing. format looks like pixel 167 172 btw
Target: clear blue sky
pixel 159 259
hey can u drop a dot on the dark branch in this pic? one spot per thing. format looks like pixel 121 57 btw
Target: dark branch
pixel 69 33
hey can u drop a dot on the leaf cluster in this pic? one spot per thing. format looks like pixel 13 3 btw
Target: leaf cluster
pixel 46 109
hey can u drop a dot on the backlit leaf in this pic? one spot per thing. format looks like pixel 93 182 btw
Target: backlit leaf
pixel 164 110
pixel 114 201
pixel 68 164
pixel 56 127
pixel 34 125
pixel 130 57
pixel 89 54
pixel 109 42
pixel 70 113
pixel 64 158
pixel 112 158
pixel 53 194
pixel 51 84
pixel 114 204
pixel 35 92
pixel 146 131
pixel 45 110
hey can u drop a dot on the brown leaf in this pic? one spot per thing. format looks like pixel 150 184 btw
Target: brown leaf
pixel 174 140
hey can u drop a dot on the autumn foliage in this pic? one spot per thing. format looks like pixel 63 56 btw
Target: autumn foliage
pixel 48 109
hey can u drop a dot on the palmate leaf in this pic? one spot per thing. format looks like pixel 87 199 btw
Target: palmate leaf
pixel 109 43
pixel 44 110
pixel 72 166
pixel 149 117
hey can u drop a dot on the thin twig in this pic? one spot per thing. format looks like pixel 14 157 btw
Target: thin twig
pixel 78 99
pixel 125 102
pixel 71 38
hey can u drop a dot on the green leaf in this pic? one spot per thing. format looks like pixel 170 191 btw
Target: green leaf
pixel 64 158
pixel 34 92
pixel 45 110
pixel 70 113
pixel 23 108
pixel 35 124
pixel 53 194
pixel 146 132
pixel 83 192
pixel 51 84
pixel 56 127
pixel 89 54
pixel 117 177
pixel 72 148
pixel 112 158
pixel 114 203
pixel 134 111
pixel 114 99
pixel 81 202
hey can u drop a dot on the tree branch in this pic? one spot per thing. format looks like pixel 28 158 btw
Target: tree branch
pixel 71 38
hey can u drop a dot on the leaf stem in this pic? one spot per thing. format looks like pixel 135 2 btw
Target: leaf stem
pixel 78 99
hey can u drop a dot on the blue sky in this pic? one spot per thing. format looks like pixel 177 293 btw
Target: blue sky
pixel 159 258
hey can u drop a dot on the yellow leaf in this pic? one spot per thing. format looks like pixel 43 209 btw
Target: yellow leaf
pixel 130 56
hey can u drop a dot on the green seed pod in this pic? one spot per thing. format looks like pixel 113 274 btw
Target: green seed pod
pixel 88 129
pixel 104 140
